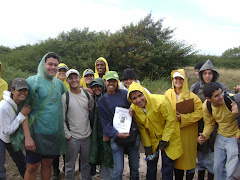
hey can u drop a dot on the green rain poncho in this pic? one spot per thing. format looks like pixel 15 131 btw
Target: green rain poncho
pixel 100 152
pixel 46 118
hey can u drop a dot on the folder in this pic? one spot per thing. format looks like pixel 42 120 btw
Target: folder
pixel 185 107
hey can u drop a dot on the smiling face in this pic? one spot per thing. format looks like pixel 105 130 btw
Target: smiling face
pixel 217 98
pixel 101 67
pixel 73 80
pixel 97 89
pixel 51 65
pixel 19 95
pixel 178 82
pixel 111 85
pixel 88 78
pixel 61 74
pixel 128 82
pixel 138 99
pixel 207 75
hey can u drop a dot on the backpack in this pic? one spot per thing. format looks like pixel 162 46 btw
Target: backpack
pixel 67 103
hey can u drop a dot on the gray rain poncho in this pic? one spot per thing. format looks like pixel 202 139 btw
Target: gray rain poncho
pixel 46 118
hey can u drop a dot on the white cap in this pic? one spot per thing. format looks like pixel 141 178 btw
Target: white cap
pixel 177 74
pixel 72 71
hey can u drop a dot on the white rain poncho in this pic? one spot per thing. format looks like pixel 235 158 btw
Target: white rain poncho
pixel 46 118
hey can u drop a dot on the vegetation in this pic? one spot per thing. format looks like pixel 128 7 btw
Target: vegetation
pixel 146 46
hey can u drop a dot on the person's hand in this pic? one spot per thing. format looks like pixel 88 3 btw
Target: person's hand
pixel 234 108
pixel 123 135
pixel 26 109
pixel 30 144
pixel 237 88
pixel 131 112
pixel 201 138
pixel 163 144
pixel 106 138
pixel 69 139
pixel 178 115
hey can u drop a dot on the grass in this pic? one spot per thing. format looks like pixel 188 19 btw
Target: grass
pixel 229 77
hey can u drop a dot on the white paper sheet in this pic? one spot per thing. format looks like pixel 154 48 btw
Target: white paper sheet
pixel 122 120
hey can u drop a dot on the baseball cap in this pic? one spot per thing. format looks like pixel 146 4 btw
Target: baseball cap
pixel 63 66
pixel 111 75
pixel 19 83
pixel 88 71
pixel 93 83
pixel 72 71
pixel 177 74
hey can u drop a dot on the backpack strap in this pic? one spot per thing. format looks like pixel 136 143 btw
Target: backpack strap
pixel 67 104
pixel 196 88
pixel 87 94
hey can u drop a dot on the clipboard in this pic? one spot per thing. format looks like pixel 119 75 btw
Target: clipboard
pixel 185 107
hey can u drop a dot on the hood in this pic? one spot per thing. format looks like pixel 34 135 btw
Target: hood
pixel 101 82
pixel 61 65
pixel 83 82
pixel 7 97
pixel 208 65
pixel 137 87
pixel 42 69
pixel 96 75
pixel 185 82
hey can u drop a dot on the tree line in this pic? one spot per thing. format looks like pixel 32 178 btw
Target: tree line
pixel 146 46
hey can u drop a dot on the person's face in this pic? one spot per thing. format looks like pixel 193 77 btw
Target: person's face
pixel 88 78
pixel 138 99
pixel 101 67
pixel 111 85
pixel 178 82
pixel 128 82
pixel 197 72
pixel 207 75
pixel 97 89
pixel 217 98
pixel 19 95
pixel 61 74
pixel 51 66
pixel 73 80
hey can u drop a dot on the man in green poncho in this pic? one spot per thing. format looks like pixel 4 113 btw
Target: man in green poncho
pixel 44 134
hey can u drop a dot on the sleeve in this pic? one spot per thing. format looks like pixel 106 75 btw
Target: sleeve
pixel 224 88
pixel 192 87
pixel 9 125
pixel 167 113
pixel 91 101
pixel 209 122
pixel 190 118
pixel 32 97
pixel 106 121
pixel 64 105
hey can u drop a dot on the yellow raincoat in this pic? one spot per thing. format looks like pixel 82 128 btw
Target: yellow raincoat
pixel 3 84
pixel 83 82
pixel 159 122
pixel 65 81
pixel 96 75
pixel 188 124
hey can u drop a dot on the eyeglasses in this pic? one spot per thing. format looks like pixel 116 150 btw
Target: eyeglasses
pixel 218 96
pixel 73 78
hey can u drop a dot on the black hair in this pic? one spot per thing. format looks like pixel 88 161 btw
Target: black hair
pixel 12 88
pixel 209 89
pixel 53 55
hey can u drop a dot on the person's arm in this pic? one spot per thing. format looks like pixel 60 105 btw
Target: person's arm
pixel 106 121
pixel 190 118
pixel 10 126
pixel 68 135
pixel 209 122
pixel 29 142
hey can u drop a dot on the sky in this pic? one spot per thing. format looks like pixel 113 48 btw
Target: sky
pixel 212 26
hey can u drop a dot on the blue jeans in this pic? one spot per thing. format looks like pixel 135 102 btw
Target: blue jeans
pixel 167 167
pixel 225 156
pixel 2 160
pixel 18 158
pixel 118 159
pixel 205 161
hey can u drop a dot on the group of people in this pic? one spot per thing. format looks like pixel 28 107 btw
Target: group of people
pixel 56 112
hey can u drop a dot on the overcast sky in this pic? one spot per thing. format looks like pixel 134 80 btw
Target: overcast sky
pixel 213 26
